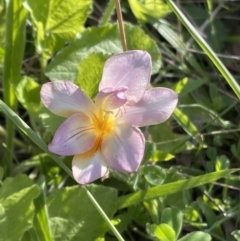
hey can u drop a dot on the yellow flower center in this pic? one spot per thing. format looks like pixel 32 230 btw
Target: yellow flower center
pixel 104 123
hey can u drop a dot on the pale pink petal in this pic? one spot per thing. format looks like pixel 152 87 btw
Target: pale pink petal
pixel 88 168
pixel 110 99
pixel 74 136
pixel 155 107
pixel 131 69
pixel 123 150
pixel 64 98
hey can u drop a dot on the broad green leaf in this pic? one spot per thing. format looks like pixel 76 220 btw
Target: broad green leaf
pixel 187 125
pixel 236 234
pixel 90 73
pixel 222 163
pixel 27 92
pixel 154 175
pixel 149 10
pixel 49 120
pixel 191 214
pixel 65 65
pixel 57 19
pixel 162 135
pixel 170 188
pixel 16 196
pixel 196 236
pixel 164 232
pixel 191 86
pixel 161 156
pixel 73 217
pixel 174 218
pixel 150 148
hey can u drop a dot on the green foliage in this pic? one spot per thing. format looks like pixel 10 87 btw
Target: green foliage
pixel 65 65
pixel 72 217
pixel 185 181
pixel 16 209
pixel 149 10
pixel 196 236
pixel 90 73
pixel 57 26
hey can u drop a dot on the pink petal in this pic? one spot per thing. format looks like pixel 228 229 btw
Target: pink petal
pixel 64 98
pixel 88 168
pixel 123 150
pixel 74 136
pixel 155 107
pixel 131 69
pixel 110 99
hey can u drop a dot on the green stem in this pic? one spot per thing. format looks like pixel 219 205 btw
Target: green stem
pixel 15 43
pixel 206 48
pixel 108 12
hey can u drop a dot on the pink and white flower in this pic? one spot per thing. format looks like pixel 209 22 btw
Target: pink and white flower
pixel 105 133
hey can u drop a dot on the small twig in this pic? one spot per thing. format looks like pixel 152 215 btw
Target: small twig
pixel 121 26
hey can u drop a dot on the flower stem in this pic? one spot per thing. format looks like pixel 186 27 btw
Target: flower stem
pixel 108 12
pixel 121 25
pixel 104 216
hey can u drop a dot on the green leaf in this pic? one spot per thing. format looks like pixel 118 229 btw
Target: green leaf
pixel 196 236
pixel 74 218
pixel 162 135
pixel 148 10
pixel 206 48
pixel 65 65
pixel 27 92
pixel 161 156
pixel 49 120
pixel 154 175
pixel 170 188
pixel 164 232
pixel 174 218
pixel 150 148
pixel 90 73
pixel 60 19
pixel 17 209
pixel 187 125
pixel 236 234
pixel 222 163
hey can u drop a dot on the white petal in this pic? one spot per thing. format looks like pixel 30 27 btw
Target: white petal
pixel 155 107
pixel 86 169
pixel 74 136
pixel 123 150
pixel 64 98
pixel 130 69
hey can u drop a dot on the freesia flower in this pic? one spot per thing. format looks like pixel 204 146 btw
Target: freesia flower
pixel 105 133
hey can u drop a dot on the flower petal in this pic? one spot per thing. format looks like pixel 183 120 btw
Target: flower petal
pixel 64 98
pixel 110 99
pixel 131 69
pixel 155 107
pixel 123 150
pixel 74 136
pixel 87 169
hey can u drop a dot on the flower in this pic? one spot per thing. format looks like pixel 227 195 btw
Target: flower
pixel 105 133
